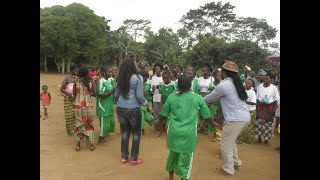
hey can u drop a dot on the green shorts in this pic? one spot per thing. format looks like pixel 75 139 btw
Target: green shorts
pixel 180 163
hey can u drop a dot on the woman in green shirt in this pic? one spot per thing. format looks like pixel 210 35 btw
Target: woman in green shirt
pixel 182 109
pixel 105 103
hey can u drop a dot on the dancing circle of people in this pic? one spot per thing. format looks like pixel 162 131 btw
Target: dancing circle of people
pixel 232 108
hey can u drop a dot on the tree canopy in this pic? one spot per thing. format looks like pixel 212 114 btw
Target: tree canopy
pixel 210 34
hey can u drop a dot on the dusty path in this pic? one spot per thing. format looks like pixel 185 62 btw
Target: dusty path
pixel 59 160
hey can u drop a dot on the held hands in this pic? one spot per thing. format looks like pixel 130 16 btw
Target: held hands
pixel 150 109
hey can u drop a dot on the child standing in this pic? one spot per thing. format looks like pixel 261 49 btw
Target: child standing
pixel 247 136
pixel 182 110
pixel 166 88
pixel 105 103
pixel 156 80
pixel 145 114
pixel 45 98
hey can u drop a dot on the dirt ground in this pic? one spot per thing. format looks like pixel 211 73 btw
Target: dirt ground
pixel 59 160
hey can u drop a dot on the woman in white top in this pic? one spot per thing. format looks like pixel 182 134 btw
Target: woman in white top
pixel 205 84
pixel 267 97
pixel 247 136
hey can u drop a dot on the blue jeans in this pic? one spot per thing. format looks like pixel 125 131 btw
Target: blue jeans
pixel 130 121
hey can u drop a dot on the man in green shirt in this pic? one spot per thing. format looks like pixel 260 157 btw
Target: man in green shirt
pixel 182 109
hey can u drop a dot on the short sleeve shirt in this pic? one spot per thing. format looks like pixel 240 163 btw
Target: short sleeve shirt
pixel 104 107
pixel 182 112
pixel 165 90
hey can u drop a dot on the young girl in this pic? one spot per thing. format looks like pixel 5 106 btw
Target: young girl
pixel 105 103
pixel 145 114
pixel 214 106
pixel 205 86
pixel 45 98
pixel 82 90
pixel 166 88
pixel 247 136
pixel 156 80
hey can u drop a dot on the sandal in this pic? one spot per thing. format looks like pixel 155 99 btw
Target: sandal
pixel 92 147
pixel 77 148
pixel 136 162
pixel 223 172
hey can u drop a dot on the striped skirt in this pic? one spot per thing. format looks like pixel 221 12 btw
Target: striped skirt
pixel 69 115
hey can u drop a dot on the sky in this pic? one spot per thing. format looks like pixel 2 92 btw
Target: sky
pixel 167 13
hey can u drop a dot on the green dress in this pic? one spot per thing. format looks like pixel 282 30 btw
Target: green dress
pixel 104 107
pixel 146 115
pixel 182 111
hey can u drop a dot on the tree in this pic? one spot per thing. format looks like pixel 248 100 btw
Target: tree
pixel 163 47
pixel 135 27
pixel 57 36
pixel 252 29
pixel 246 52
pixel 209 50
pixel 213 18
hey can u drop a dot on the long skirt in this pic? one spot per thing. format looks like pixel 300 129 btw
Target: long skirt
pixel 247 136
pixel 69 115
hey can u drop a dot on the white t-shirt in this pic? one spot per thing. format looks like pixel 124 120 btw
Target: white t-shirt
pixel 251 98
pixel 271 93
pixel 204 84
pixel 156 81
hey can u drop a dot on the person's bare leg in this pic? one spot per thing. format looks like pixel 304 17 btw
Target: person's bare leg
pixel 171 175
pixel 45 112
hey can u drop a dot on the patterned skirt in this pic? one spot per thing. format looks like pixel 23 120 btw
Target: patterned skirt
pixel 69 114
pixel 248 135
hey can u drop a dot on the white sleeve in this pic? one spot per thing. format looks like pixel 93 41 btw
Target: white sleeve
pixel 253 97
pixel 276 96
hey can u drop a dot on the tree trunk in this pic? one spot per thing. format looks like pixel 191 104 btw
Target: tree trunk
pixel 68 66
pixel 45 62
pixel 55 61
pixel 63 65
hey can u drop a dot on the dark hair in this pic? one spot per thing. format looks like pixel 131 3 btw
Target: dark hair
pixel 252 81
pixel 238 84
pixel 44 86
pixel 145 75
pixel 184 83
pixel 127 69
pixel 159 65
pixel 104 68
pixel 84 73
pixel 179 67
pixel 208 67
pixel 166 72
pixel 73 66
pixel 174 72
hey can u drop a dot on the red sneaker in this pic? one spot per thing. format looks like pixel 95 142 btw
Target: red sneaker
pixel 124 161
pixel 138 161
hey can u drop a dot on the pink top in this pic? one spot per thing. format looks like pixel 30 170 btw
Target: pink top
pixel 69 88
pixel 45 99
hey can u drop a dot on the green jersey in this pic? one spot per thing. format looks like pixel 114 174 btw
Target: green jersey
pixel 148 90
pixel 176 85
pixel 165 90
pixel 104 107
pixel 195 86
pixel 113 84
pixel 182 112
